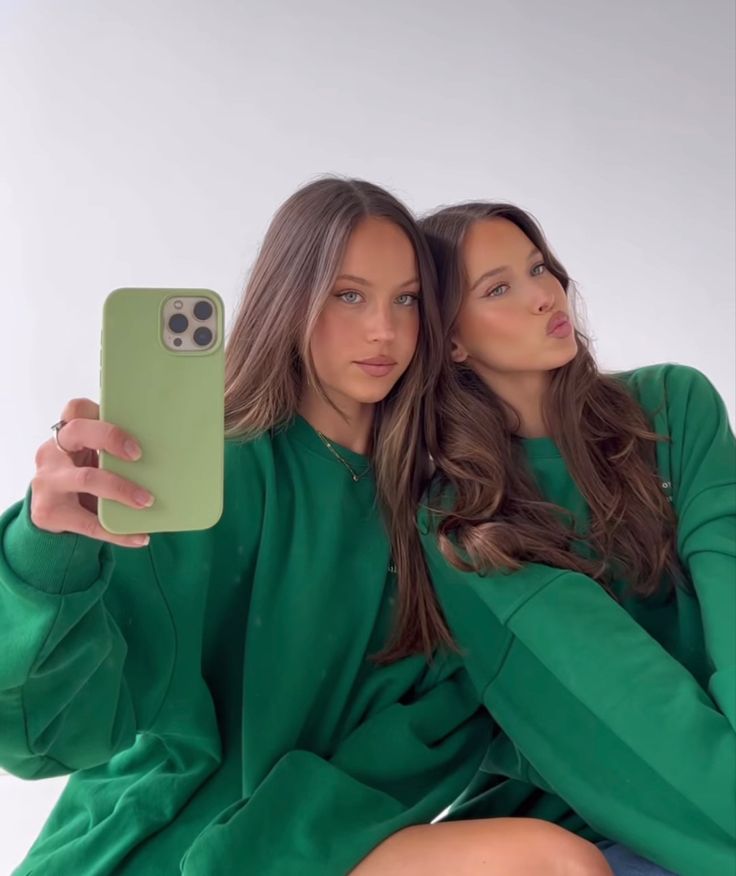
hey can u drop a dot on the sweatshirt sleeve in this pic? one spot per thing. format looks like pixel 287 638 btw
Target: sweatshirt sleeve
pixel 67 701
pixel 606 718
pixel 703 482
pixel 313 816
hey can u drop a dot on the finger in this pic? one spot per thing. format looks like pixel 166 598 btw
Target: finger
pixel 83 408
pixel 90 434
pixel 101 483
pixel 86 523
pixel 72 517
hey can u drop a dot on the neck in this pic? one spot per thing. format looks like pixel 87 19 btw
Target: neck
pixel 522 393
pixel 351 425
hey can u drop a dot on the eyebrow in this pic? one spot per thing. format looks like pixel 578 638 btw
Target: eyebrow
pixel 494 271
pixel 363 282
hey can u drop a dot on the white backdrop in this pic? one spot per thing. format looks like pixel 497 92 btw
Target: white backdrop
pixel 149 144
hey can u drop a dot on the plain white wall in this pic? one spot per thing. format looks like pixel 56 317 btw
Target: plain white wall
pixel 149 144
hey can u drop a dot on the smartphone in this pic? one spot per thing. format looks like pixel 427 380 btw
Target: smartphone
pixel 162 375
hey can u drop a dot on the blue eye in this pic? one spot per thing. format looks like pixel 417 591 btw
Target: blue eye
pixel 349 297
pixel 495 293
pixel 540 265
pixel 408 299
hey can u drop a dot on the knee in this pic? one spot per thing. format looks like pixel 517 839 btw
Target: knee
pixel 579 857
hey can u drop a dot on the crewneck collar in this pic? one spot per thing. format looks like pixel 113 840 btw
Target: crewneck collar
pixel 540 448
pixel 301 430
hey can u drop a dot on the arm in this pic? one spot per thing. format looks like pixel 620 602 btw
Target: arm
pixel 67 701
pixel 618 728
pixel 103 642
pixel 703 475
pixel 605 717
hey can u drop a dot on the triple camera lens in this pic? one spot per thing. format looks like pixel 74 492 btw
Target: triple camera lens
pixel 202 336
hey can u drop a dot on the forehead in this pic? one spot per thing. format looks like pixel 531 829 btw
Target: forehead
pixel 377 248
pixel 490 243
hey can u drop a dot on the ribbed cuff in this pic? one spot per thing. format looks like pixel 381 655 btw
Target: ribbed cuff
pixel 55 563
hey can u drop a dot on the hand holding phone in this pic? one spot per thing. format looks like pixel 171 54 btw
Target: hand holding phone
pixel 66 486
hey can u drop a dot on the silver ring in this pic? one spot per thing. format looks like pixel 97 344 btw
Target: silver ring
pixel 56 428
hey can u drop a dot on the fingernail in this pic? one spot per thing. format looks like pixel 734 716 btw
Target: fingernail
pixel 132 449
pixel 143 498
pixel 141 540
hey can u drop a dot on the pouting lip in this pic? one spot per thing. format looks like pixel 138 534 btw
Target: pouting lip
pixel 556 320
pixel 375 360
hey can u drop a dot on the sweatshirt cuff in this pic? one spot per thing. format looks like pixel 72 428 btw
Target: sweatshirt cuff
pixel 55 563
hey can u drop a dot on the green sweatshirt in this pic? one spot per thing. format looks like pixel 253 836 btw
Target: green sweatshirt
pixel 618 720
pixel 212 695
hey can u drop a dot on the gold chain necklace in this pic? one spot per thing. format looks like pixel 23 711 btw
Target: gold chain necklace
pixel 353 474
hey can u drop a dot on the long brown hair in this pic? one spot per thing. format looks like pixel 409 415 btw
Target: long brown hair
pixel 268 361
pixel 499 519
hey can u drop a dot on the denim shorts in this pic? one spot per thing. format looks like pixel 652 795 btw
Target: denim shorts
pixel 624 862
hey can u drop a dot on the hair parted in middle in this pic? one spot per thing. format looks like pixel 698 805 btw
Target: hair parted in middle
pixel 268 362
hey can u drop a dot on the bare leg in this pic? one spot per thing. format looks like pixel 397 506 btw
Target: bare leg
pixel 507 846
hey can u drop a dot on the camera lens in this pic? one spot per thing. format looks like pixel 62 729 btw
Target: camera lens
pixel 178 323
pixel 203 310
pixel 202 336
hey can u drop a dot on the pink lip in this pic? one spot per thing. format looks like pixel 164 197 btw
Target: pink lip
pixel 559 325
pixel 376 360
pixel 378 366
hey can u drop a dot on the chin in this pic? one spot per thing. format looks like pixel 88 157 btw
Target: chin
pixel 370 398
pixel 370 395
pixel 567 354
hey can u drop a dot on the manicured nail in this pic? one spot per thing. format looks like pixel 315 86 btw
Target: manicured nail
pixel 141 540
pixel 132 449
pixel 143 498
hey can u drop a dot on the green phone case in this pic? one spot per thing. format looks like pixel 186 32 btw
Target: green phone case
pixel 171 401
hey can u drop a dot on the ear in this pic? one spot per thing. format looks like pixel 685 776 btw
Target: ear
pixel 458 353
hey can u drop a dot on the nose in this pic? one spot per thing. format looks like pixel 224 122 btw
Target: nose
pixel 543 300
pixel 381 323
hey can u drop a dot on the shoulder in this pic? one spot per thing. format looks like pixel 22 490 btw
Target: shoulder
pixel 242 451
pixel 248 463
pixel 673 389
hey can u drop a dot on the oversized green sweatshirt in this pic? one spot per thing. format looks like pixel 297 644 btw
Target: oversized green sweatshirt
pixel 212 695
pixel 618 719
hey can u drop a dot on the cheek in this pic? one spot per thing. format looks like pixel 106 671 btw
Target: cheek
pixel 485 327
pixel 324 330
pixel 410 327
pixel 331 334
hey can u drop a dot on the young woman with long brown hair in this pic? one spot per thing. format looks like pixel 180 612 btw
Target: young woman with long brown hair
pixel 580 535
pixel 255 697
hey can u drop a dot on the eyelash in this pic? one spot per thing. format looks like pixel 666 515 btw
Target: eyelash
pixel 489 293
pixel 341 295
pixel 413 298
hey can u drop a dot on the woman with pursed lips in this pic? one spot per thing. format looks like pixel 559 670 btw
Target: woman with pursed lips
pixel 580 536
